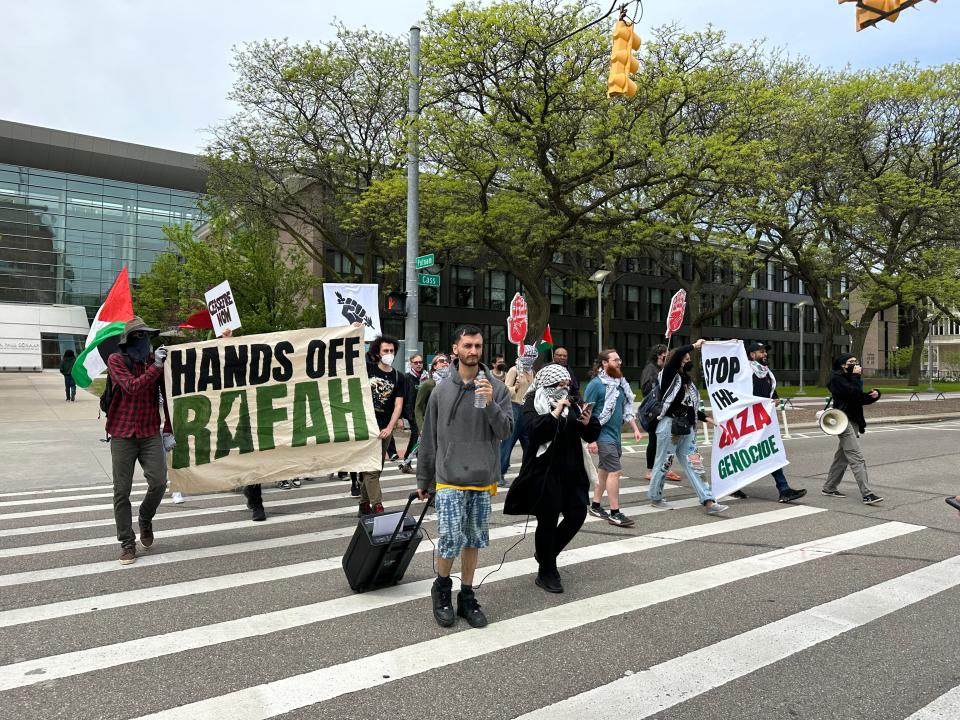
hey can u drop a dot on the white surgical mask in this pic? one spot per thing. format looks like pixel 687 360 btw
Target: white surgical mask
pixel 386 359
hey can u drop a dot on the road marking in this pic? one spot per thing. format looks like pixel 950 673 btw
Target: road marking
pixel 945 707
pixel 275 698
pixel 59 666
pixel 670 683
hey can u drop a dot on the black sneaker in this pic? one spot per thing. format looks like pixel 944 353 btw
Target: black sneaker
pixel 871 499
pixel 441 592
pixel 619 519
pixel 832 493
pixel 354 488
pixel 259 514
pixel 394 457
pixel 739 495
pixel 469 608
pixel 789 495
pixel 598 511
pixel 284 484
pixel 549 580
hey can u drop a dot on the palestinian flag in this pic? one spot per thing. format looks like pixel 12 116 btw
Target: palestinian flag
pixel 105 331
pixel 546 343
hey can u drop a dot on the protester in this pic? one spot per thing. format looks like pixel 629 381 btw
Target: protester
pixel 649 382
pixel 415 375
pixel 562 357
pixel 677 430
pixel 519 378
pixel 612 401
pixel 553 479
pixel 387 387
pixel 499 368
pixel 765 386
pixel 846 386
pixel 458 462
pixel 66 369
pixel 133 424
pixel 439 370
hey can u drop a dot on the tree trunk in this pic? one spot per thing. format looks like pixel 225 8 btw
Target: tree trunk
pixel 827 327
pixel 916 358
pixel 919 329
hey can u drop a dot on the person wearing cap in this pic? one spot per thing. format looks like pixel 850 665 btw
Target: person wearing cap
pixel 765 386
pixel 133 424
pixel 846 387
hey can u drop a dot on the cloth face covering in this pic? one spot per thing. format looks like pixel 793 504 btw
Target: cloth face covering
pixel 140 349
pixel 547 393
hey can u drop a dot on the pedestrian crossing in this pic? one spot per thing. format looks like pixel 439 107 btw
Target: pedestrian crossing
pixel 231 619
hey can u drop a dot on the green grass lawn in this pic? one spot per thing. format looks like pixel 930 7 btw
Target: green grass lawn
pixel 97 387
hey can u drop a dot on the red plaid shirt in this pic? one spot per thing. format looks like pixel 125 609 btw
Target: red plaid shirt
pixel 135 409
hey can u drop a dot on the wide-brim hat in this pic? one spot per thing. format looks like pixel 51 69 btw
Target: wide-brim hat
pixel 135 324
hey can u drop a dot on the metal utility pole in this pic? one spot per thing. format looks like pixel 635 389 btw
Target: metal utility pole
pixel 412 326
pixel 930 356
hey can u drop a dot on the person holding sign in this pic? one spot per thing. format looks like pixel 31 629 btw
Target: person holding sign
pixel 677 430
pixel 846 385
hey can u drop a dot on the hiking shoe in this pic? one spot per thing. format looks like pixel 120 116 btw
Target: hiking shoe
pixel 619 519
pixel 739 495
pixel 378 508
pixel 146 534
pixel 284 484
pixel 178 498
pixel 469 609
pixel 672 476
pixel 128 554
pixel 661 504
pixel 717 508
pixel 549 580
pixel 406 467
pixel 365 509
pixel 789 495
pixel 259 514
pixel 598 511
pixel 441 592
pixel 871 499
pixel 832 493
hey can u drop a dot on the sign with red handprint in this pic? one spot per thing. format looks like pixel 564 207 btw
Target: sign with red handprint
pixel 678 305
pixel 517 320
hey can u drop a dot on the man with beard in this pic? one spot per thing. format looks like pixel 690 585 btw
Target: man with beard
pixel 414 376
pixel 562 357
pixel 387 390
pixel 765 386
pixel 133 424
pixel 612 401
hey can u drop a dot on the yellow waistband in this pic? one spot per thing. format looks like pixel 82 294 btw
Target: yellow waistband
pixel 491 488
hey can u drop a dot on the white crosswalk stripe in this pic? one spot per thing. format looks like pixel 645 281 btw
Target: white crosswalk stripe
pixel 192 572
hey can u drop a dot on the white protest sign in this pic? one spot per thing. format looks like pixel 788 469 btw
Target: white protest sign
pixel 746 444
pixel 222 308
pixel 347 303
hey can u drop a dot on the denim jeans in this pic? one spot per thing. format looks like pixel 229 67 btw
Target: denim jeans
pixel 666 449
pixel 780 479
pixel 519 433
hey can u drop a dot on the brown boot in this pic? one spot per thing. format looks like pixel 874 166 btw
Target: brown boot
pixel 146 534
pixel 128 554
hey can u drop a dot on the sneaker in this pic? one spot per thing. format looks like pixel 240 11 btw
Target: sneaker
pixel 296 482
pixel 259 514
pixel 717 508
pixel 354 488
pixel 469 609
pixel 503 483
pixel 789 495
pixel 284 484
pixel 672 476
pixel 549 580
pixel 394 457
pixel 128 554
pixel 619 519
pixel 378 509
pixel 739 495
pixel 441 592
pixel 598 511
pixel 146 534
pixel 871 499
pixel 406 467
pixel 832 493
pixel 365 509
pixel 661 504
pixel 178 498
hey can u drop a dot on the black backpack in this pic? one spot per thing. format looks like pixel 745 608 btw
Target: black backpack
pixel 110 390
pixel 650 408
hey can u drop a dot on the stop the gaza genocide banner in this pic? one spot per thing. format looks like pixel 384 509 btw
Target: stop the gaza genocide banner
pixel 269 407
pixel 746 444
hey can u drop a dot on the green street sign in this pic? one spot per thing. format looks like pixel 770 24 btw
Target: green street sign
pixel 425 261
pixel 428 280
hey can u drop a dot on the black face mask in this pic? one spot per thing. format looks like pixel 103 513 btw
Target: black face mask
pixel 848 369
pixel 139 349
pixel 688 366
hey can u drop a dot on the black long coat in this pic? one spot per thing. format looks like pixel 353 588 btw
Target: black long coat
pixel 544 480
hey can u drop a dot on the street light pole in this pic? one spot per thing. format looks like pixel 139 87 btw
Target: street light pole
pixel 930 358
pixel 599 277
pixel 412 325
pixel 801 306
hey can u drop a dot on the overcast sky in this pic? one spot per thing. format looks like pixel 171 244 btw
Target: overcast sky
pixel 157 73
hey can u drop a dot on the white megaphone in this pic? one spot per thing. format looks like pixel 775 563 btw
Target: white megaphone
pixel 832 421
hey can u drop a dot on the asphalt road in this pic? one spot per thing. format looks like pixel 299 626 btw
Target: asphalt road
pixel 823 609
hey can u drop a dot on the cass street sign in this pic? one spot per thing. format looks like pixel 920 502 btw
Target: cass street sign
pixel 425 261
pixel 428 280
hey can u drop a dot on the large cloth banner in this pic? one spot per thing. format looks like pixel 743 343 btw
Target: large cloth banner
pixel 347 303
pixel 271 407
pixel 746 441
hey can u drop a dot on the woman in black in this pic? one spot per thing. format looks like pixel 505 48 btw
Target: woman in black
pixel 648 382
pixel 553 478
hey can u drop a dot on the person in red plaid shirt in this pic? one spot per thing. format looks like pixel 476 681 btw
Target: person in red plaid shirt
pixel 133 422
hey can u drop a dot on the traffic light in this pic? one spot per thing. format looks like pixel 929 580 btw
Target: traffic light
pixel 871 12
pixel 622 62
pixel 396 304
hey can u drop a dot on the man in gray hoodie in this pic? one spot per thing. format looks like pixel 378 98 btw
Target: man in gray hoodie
pixel 459 462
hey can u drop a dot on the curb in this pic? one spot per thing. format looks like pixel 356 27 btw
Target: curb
pixel 894 420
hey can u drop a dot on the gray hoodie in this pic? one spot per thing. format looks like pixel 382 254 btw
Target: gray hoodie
pixel 460 444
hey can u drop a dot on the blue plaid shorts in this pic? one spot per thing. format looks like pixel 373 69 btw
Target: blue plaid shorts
pixel 463 519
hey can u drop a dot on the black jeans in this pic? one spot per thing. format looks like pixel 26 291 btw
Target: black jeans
pixel 125 452
pixel 254 495
pixel 551 538
pixel 652 445
pixel 414 437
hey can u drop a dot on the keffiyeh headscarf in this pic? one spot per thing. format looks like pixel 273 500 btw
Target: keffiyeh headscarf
pixel 762 371
pixel 612 387
pixel 526 359
pixel 547 393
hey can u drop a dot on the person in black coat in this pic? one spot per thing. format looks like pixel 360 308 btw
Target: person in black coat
pixel 553 478
pixel 846 387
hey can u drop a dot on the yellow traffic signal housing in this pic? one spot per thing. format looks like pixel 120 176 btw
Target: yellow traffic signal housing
pixel 871 12
pixel 622 62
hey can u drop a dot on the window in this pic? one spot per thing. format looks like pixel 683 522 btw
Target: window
pixel 631 302
pixel 495 289
pixel 788 321
pixel 430 337
pixel 655 305
pixel 462 286
pixel 348 270
pixel 495 341
pixel 771 315
pixel 633 356
pixel 584 349
pixel 736 313
pixel 555 295
pixel 755 316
